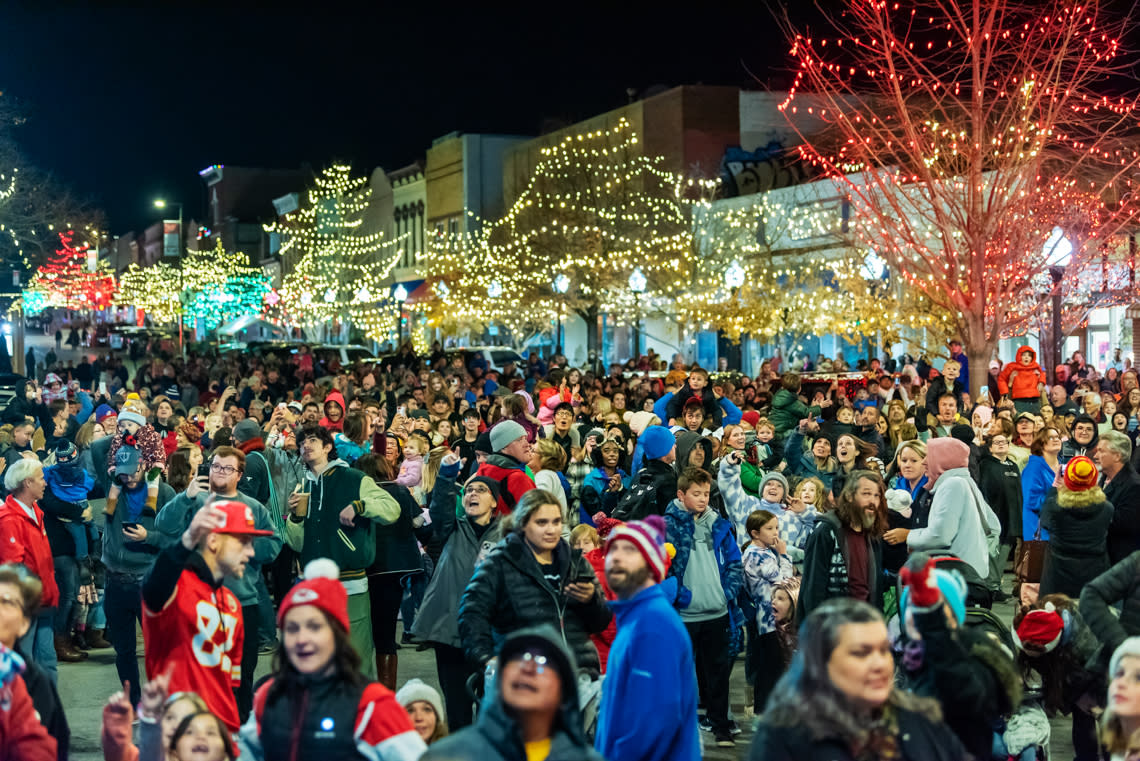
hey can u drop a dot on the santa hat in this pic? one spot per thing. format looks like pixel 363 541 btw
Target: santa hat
pixel 752 417
pixel 1080 474
pixel 1040 631
pixel 320 588
pixel 648 536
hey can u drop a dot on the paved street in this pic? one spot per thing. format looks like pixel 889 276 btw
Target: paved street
pixel 84 687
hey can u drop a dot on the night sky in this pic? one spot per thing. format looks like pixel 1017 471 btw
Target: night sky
pixel 127 104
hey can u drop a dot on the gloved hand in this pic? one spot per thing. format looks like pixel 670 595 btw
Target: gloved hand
pixel 153 475
pixel 918 576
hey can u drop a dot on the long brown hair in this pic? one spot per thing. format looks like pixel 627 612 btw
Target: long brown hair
pixel 849 514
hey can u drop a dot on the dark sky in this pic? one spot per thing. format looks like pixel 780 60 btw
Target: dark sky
pixel 127 103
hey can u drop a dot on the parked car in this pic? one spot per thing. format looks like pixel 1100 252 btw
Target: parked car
pixel 8 384
pixel 496 357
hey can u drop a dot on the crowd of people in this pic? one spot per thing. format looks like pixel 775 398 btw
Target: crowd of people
pixel 589 554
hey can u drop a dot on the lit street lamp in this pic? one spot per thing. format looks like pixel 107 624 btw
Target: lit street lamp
pixel 400 294
pixel 637 283
pixel 160 203
pixel 734 275
pixel 561 286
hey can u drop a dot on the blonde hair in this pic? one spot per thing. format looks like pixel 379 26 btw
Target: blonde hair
pixel 584 531
pixel 431 468
pixel 913 445
pixel 820 491
pixel 551 455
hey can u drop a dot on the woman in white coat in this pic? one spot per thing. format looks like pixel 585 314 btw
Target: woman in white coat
pixel 960 523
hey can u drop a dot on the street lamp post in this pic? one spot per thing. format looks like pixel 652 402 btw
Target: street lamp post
pixel 400 295
pixel 637 283
pixel 160 203
pixel 561 286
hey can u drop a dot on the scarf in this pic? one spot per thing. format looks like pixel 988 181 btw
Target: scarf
pixel 882 740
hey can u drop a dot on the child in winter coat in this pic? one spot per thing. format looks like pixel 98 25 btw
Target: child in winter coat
pixel 134 431
pixel 1023 381
pixel 695 387
pixel 785 596
pixel 795 527
pixel 766 564
pixel 411 470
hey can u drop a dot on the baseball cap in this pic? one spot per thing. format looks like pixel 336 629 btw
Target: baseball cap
pixel 295 407
pixel 126 460
pixel 420 415
pixel 239 519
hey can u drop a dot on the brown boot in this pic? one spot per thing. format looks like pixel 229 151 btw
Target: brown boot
pixel 79 642
pixel 386 670
pixel 96 640
pixel 64 652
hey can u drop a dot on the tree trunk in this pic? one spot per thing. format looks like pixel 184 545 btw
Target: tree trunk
pixel 589 316
pixel 978 351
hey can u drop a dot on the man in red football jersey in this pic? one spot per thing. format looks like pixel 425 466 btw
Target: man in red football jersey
pixel 192 625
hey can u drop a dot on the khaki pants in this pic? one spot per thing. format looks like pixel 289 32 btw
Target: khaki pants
pixel 360 633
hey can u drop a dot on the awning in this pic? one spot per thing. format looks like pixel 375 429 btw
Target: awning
pixel 419 294
pixel 1132 312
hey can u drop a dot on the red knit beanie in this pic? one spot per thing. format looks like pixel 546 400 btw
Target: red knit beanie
pixel 320 588
pixel 648 536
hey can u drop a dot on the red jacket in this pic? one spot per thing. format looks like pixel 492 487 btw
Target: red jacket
pixel 25 541
pixel 22 736
pixel 603 639
pixel 511 475
pixel 1020 381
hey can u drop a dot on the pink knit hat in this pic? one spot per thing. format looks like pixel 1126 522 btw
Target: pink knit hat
pixel 648 536
pixel 943 454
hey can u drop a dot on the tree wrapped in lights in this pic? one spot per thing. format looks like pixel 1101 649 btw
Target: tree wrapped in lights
pixel 221 286
pixel 783 265
pixel 68 280
pixel 337 269
pixel 154 289
pixel 594 209
pixel 964 132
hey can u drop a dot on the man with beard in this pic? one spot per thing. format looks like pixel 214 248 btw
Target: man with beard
pixel 844 557
pixel 652 648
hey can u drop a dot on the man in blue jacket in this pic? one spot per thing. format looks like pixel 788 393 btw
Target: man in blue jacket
pixel 652 649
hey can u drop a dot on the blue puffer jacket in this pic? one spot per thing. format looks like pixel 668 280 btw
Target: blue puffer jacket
pixel 679 530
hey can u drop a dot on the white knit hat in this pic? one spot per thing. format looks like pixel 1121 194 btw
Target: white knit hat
pixel 417 689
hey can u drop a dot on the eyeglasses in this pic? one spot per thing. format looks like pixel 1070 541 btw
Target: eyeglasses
pixel 227 470
pixel 473 489
pixel 537 659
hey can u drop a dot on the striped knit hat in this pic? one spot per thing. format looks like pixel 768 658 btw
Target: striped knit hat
pixel 648 536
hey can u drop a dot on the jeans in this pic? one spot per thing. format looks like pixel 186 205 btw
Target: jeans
pixel 96 618
pixel 711 642
pixel 415 584
pixel 38 645
pixel 360 633
pixel 67 579
pixel 122 604
pixel 266 620
pixel 244 692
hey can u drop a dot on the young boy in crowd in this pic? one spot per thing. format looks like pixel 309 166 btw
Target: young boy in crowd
pixel 696 387
pixel 766 564
pixel 710 576
pixel 795 525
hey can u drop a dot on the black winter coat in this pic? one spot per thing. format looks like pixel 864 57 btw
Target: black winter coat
pixel 1124 531
pixel 509 592
pixel 972 677
pixel 1000 482
pixel 1120 583
pixel 1078 536
pixel 396 549
pixel 56 512
pixel 920 740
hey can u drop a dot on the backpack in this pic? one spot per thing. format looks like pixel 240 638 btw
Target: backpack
pixel 639 501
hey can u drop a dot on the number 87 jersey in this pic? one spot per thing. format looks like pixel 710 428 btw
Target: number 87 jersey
pixel 198 636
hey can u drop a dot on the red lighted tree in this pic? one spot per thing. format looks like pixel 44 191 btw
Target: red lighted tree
pixel 69 281
pixel 977 141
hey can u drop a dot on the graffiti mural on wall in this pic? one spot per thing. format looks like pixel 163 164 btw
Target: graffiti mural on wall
pixel 766 168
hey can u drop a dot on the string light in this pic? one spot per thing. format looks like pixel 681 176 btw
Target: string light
pixel 958 181
pixel 67 281
pixel 594 209
pixel 339 269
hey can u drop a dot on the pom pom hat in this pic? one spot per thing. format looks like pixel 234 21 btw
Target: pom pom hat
pixel 320 588
pixel 648 536
pixel 1080 474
